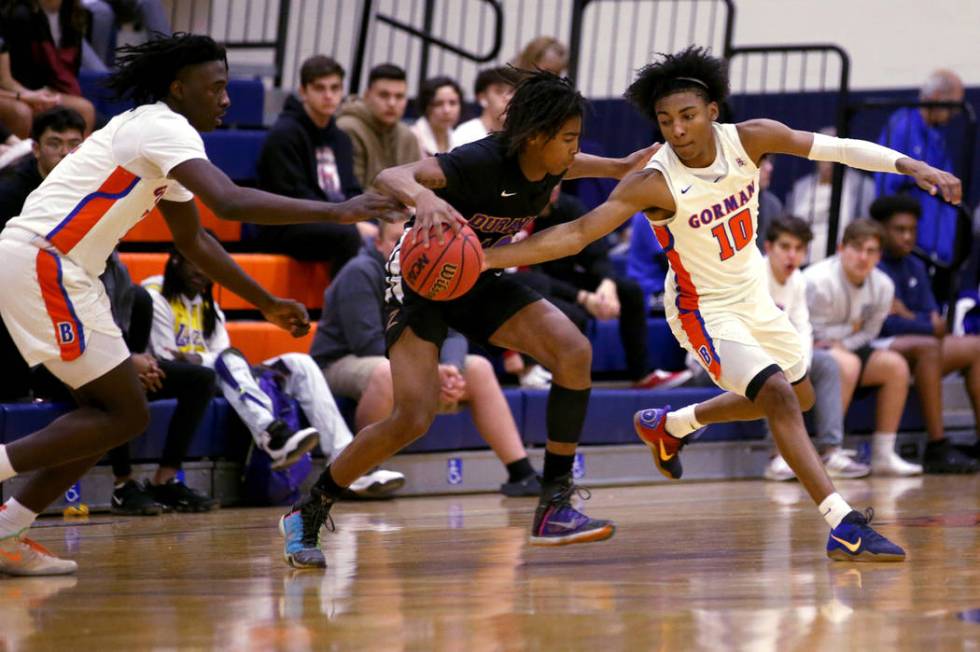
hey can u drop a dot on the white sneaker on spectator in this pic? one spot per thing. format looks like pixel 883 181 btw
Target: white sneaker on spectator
pixel 537 377
pixel 778 470
pixel 22 556
pixel 840 463
pixel 891 463
pixel 377 483
pixel 286 447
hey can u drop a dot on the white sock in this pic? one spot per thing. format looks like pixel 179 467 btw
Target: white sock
pixel 6 470
pixel 833 508
pixel 14 518
pixel 681 423
pixel 883 444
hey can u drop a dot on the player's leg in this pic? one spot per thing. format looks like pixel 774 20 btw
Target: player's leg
pixel 415 373
pixel 112 410
pixel 496 425
pixel 889 372
pixel 543 332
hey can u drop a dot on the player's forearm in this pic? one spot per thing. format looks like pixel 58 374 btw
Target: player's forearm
pixel 217 265
pixel 260 207
pixel 587 165
pixel 557 242
pixel 860 154
pixel 400 183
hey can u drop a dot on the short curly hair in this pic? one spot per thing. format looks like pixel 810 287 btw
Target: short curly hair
pixel 693 69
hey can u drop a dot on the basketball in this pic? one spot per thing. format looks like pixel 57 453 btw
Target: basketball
pixel 442 272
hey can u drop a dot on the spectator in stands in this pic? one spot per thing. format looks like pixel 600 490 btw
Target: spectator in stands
pixel 810 199
pixel 786 244
pixel 493 89
pixel 189 326
pixel 8 146
pixel 590 288
pixel 54 133
pixel 192 385
pixel 374 125
pixel 770 207
pixel 44 39
pixel 306 156
pixel 647 263
pixel 918 132
pixel 349 345
pixel 543 53
pixel 849 299
pixel 107 15
pixel 439 103
pixel 918 331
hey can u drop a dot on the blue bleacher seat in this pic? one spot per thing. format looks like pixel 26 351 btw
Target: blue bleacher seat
pixel 663 352
pixel 235 151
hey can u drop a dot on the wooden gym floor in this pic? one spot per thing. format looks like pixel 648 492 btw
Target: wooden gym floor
pixel 710 566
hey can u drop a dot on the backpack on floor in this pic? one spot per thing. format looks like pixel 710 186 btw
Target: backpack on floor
pixel 260 484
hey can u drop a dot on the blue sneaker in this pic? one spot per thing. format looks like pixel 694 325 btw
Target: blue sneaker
pixel 557 523
pixel 651 427
pixel 854 540
pixel 301 530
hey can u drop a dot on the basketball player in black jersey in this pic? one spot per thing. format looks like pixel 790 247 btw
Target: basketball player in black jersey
pixel 497 185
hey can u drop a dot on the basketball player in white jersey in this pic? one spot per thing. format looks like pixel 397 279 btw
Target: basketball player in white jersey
pixel 52 301
pixel 700 194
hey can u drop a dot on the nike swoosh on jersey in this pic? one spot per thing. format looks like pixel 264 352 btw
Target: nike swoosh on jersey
pixel 853 547
pixel 504 193
pixel 684 191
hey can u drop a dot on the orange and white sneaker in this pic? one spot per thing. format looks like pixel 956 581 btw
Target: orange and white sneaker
pixel 22 556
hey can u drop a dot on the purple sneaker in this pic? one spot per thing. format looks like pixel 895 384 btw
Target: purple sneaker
pixel 557 523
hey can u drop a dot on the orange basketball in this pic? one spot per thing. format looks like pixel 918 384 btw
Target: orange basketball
pixel 442 272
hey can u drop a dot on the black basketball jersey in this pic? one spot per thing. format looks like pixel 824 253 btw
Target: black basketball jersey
pixel 488 188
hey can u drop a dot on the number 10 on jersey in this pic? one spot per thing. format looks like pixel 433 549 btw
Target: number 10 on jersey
pixel 733 234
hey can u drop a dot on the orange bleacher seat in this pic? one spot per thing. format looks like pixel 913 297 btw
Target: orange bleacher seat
pixel 142 266
pixel 280 275
pixel 260 340
pixel 153 228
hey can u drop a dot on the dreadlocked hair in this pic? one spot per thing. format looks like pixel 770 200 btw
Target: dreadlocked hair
pixel 174 288
pixel 693 69
pixel 541 104
pixel 144 72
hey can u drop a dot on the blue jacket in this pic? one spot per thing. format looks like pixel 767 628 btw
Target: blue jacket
pixel 908 133
pixel 913 287
pixel 646 263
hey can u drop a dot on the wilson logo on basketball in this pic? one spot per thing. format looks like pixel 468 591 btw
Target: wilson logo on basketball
pixel 446 274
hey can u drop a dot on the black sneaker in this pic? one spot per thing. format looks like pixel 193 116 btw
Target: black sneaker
pixel 942 457
pixel 133 500
pixel 177 496
pixel 285 446
pixel 527 486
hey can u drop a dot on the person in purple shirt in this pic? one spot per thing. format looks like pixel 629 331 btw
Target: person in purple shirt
pixel 918 332
pixel 918 131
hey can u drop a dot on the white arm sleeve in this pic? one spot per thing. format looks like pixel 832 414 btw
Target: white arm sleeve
pixel 854 153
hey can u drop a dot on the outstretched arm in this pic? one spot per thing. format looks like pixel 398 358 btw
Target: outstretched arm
pixel 232 202
pixel 637 192
pixel 769 136
pixel 587 165
pixel 204 251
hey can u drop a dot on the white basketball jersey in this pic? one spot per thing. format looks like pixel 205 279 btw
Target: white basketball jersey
pixel 710 239
pixel 110 182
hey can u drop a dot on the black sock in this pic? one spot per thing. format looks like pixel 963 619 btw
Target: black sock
pixel 520 469
pixel 556 466
pixel 328 485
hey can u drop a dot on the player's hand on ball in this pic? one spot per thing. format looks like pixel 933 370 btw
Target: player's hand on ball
pixel 288 315
pixel 371 205
pixel 431 212
pixel 937 182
